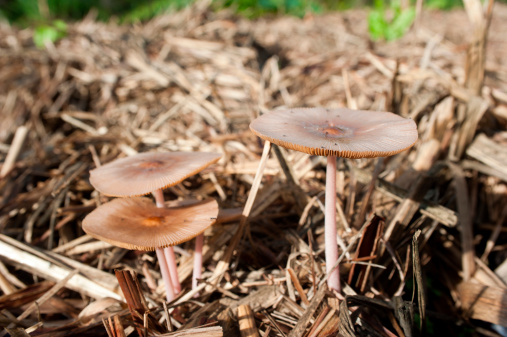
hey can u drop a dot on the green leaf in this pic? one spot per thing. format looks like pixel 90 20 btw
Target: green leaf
pixel 379 5
pixel 52 33
pixel 43 34
pixel 377 25
pixel 400 24
pixel 60 26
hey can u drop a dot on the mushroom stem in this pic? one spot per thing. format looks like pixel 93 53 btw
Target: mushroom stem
pixel 165 274
pixel 333 275
pixel 168 251
pixel 159 198
pixel 173 269
pixel 199 241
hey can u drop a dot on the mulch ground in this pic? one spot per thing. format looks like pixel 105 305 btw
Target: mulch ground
pixel 423 234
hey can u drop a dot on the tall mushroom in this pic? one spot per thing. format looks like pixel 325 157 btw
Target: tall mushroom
pixel 150 173
pixel 336 133
pixel 137 223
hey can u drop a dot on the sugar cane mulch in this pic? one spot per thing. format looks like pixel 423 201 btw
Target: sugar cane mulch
pixel 422 234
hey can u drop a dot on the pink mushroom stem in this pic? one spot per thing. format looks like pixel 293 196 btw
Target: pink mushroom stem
pixel 159 198
pixel 333 275
pixel 199 241
pixel 169 290
pixel 173 269
pixel 168 251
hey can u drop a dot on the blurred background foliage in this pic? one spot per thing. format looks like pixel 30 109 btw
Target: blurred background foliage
pixel 387 20
pixel 33 12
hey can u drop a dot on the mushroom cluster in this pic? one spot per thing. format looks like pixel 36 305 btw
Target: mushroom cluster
pixel 138 223
pixel 336 133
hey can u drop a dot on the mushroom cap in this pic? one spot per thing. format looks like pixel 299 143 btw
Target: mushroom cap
pixel 337 132
pixel 147 172
pixel 137 223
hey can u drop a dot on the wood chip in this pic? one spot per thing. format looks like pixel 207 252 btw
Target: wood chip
pixel 486 303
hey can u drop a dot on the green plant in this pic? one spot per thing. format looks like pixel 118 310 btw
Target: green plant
pixel 443 4
pixel 381 27
pixel 49 32
pixel 147 10
pixel 254 9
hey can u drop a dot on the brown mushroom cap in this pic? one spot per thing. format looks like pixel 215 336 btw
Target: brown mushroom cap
pixel 147 172
pixel 337 132
pixel 137 223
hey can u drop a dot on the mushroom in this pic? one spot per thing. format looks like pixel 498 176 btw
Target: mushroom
pixel 336 133
pixel 137 223
pixel 150 173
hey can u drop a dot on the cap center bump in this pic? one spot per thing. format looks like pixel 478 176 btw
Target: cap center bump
pixel 152 221
pixel 334 131
pixel 151 164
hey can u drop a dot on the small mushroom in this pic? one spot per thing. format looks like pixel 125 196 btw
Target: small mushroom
pixel 145 173
pixel 150 173
pixel 336 133
pixel 137 223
